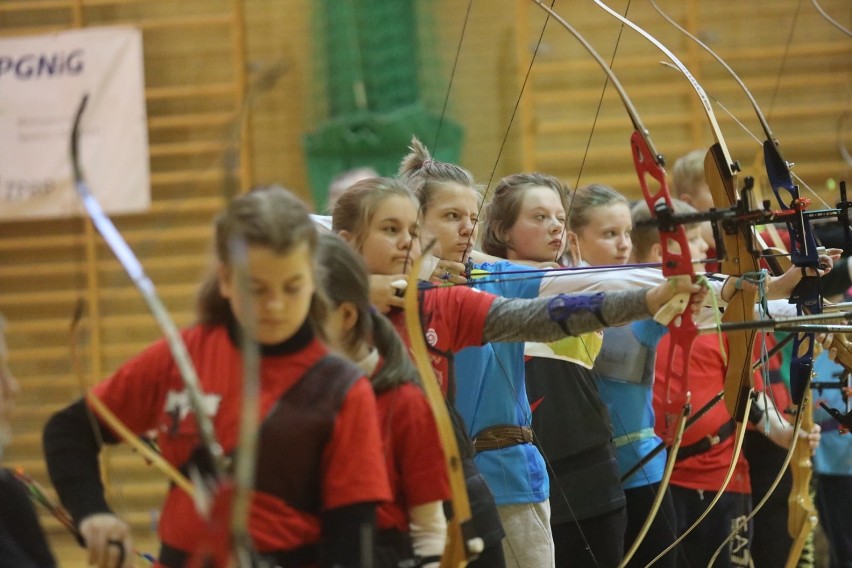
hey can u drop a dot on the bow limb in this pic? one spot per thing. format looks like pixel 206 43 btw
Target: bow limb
pixel 831 20
pixel 801 512
pixel 459 548
pixel 145 286
pixel 183 362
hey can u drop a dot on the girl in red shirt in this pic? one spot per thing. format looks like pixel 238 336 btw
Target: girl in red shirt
pixel 320 470
pixel 412 526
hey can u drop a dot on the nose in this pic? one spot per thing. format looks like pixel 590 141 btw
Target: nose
pixel 274 302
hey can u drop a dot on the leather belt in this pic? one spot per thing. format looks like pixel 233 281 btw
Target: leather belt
pixel 502 436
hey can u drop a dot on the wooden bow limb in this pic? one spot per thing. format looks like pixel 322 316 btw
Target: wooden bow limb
pixel 461 545
pixel 131 439
pixel 801 512
pixel 740 260
pixel 109 418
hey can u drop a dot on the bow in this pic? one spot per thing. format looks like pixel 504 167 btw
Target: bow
pixel 676 261
pixel 720 170
pixel 461 546
pixel 808 299
pixel 173 338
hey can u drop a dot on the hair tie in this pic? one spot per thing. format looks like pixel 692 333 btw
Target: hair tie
pixel 426 162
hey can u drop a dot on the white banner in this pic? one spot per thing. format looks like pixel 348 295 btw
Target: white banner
pixel 42 81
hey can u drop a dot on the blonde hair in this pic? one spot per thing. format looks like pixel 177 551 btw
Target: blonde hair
pixel 425 175
pixel 591 197
pixel 688 173
pixel 645 235
pixel 355 209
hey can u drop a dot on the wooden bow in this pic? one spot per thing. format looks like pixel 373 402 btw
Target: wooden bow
pixel 808 299
pixel 461 545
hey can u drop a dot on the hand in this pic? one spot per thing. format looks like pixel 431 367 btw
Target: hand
pixel 679 288
pixel 449 271
pixel 781 287
pixel 827 340
pixel 813 437
pixel 108 541
pixel 383 295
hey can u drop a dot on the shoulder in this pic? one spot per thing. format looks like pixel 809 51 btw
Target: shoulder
pixel 405 395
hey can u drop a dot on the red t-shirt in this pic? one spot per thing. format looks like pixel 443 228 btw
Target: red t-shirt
pixel 415 460
pixel 453 318
pixel 704 471
pixel 147 393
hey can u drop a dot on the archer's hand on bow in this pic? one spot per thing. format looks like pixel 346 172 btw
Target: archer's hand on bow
pixel 449 271
pixel 778 430
pixel 385 291
pixel 659 296
pixel 839 348
pixel 108 541
pixel 781 287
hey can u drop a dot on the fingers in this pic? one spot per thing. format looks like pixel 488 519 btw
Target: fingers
pixel 386 291
pixel 450 271
pixel 834 253
pixel 108 541
pixel 394 302
pixel 814 437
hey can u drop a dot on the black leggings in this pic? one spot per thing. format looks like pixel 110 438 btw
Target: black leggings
pixel 597 542
pixel 663 529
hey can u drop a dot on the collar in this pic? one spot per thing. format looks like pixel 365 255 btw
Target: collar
pixel 299 340
pixel 370 363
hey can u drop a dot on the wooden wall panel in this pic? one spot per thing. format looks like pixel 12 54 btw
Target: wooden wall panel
pixel 195 80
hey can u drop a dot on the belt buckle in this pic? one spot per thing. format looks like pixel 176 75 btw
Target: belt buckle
pixel 713 439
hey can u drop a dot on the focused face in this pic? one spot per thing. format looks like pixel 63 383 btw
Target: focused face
pixel 391 243
pixel 451 220
pixel 8 392
pixel 281 287
pixel 606 238
pixel 539 232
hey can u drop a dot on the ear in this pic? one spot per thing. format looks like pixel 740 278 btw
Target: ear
pixel 346 236
pixel 572 248
pixel 223 273
pixel 349 316
pixel 656 252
